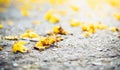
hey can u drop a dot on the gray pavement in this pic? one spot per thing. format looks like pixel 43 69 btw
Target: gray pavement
pixel 101 51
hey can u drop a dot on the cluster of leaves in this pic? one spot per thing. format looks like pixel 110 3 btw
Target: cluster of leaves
pixel 46 42
pixel 54 35
pixel 43 41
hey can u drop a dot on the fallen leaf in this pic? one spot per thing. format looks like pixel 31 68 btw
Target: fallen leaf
pixel 58 30
pixel 29 34
pixel 54 19
pixel 11 37
pixel 19 47
pixel 49 14
pixel 113 29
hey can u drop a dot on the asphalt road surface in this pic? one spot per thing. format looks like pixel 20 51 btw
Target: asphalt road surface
pixel 101 51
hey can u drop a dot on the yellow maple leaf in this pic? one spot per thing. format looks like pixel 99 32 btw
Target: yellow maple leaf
pixel 19 47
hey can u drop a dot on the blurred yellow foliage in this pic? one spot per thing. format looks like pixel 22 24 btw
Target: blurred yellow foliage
pixel 74 8
pixel 36 22
pixel 113 29
pixel 56 2
pixel 1 26
pixel 24 12
pixel 86 34
pixel 54 19
pixel 100 26
pixel 49 14
pixel 115 3
pixel 62 12
pixel 74 23
pixel 94 3
pixel 117 16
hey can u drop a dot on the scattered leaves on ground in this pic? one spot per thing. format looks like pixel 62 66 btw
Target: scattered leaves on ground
pixel 46 42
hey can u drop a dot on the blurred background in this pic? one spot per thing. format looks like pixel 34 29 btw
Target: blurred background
pixel 31 8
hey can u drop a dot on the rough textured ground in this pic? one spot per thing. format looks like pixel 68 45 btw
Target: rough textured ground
pixel 101 51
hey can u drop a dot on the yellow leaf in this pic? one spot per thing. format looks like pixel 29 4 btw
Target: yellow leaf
pixel 114 3
pixel 19 47
pixel 117 16
pixel 75 23
pixel 29 34
pixel 24 12
pixel 84 27
pixel 11 37
pixel 54 19
pixel 49 14
pixel 59 30
pixel 113 29
pixel 74 8
pixel 1 26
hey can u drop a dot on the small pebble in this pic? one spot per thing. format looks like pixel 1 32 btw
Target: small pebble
pixel 15 64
